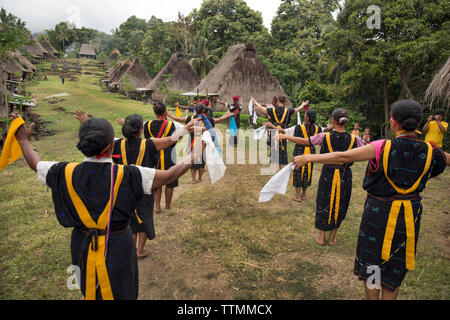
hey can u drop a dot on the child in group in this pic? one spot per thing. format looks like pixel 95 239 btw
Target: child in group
pixel 366 138
pixel 356 131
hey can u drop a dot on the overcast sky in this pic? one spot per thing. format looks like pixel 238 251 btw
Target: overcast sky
pixel 106 15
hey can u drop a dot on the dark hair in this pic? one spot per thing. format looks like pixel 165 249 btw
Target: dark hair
pixel 340 116
pixel 408 114
pixel 282 99
pixel 440 112
pixel 132 126
pixel 159 108
pixel 199 108
pixel 311 114
pixel 95 136
pixel 275 100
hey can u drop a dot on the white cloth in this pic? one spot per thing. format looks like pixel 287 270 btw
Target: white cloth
pixel 259 133
pixel 277 185
pixel 252 112
pixel 216 166
pixel 290 131
pixel 178 126
pixel 148 174
pixel 299 120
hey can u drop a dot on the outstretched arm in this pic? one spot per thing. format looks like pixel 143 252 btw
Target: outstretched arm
pixel 23 137
pixel 165 177
pixel 296 140
pixel 164 143
pixel 178 119
pixel 226 116
pixel 222 102
pixel 270 125
pixel 260 108
pixel 302 106
pixel 354 155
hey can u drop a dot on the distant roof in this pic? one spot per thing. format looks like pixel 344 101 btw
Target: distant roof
pixel 87 50
pixel 200 94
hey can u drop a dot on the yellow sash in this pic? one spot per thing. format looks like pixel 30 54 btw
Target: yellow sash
pixel 165 134
pixel 307 151
pixel 138 218
pixel 395 210
pixel 141 152
pixel 96 264
pixel 279 122
pixel 336 184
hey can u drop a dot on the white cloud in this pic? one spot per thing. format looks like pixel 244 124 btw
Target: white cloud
pixel 105 15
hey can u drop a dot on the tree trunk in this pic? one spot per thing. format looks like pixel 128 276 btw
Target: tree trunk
pixel 386 107
pixel 4 106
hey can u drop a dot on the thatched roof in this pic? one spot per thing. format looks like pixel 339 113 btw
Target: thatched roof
pixel 438 93
pixel 35 49
pixel 115 54
pixel 242 73
pixel 137 76
pixel 87 50
pixel 183 76
pixel 117 73
pixel 12 65
pixel 48 46
pixel 26 64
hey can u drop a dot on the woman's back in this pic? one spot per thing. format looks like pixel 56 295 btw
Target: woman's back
pixel 404 166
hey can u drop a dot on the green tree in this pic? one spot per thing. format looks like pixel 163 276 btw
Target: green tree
pixel 156 48
pixel 202 56
pixel 401 56
pixel 230 22
pixel 13 35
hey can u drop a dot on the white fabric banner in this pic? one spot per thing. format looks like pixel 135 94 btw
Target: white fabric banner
pixel 216 166
pixel 277 185
pixel 259 133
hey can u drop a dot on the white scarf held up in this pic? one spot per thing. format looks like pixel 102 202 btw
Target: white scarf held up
pixel 277 185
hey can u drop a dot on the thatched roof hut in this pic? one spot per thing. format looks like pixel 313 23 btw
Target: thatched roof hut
pixel 36 50
pixel 87 51
pixel 117 72
pixel 13 68
pixel 438 93
pixel 135 75
pixel 26 64
pixel 115 54
pixel 242 73
pixel 182 77
pixel 48 46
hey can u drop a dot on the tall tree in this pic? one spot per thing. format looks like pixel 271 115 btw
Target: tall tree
pixel 202 56
pixel 401 55
pixel 230 22
pixel 13 35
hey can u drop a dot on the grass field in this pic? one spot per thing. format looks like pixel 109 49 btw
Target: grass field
pixel 217 242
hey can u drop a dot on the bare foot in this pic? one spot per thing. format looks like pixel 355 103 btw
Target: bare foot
pixel 297 199
pixel 331 242
pixel 143 254
pixel 157 210
pixel 320 241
